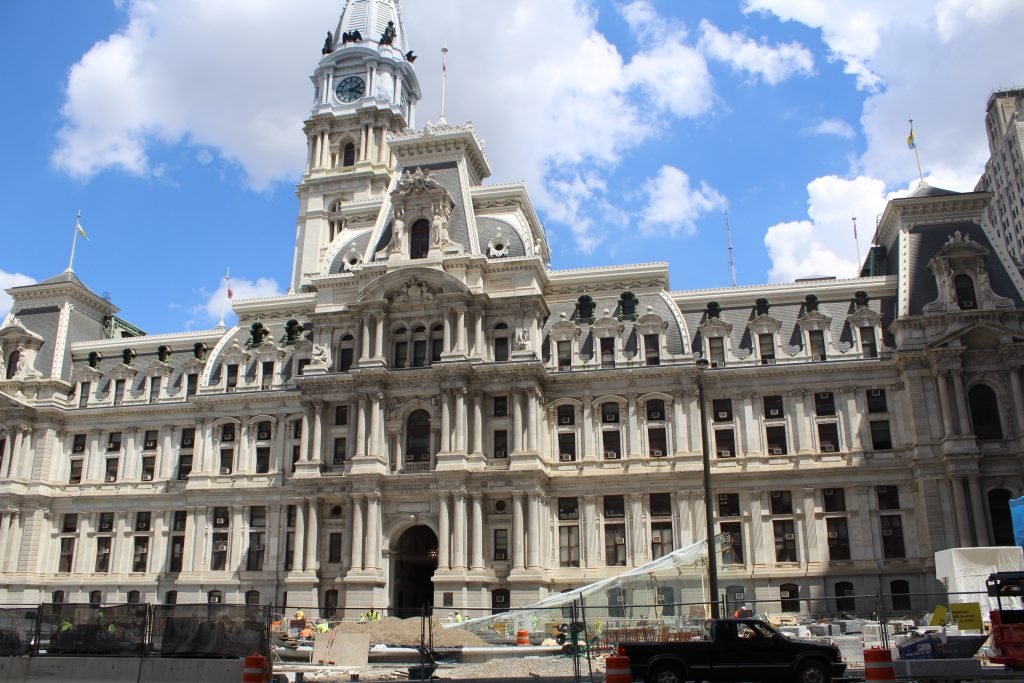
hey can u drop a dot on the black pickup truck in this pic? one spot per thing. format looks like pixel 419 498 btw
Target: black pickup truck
pixel 734 650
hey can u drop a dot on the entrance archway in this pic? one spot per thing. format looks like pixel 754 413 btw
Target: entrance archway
pixel 414 561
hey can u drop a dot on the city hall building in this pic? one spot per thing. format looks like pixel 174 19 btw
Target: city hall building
pixel 433 414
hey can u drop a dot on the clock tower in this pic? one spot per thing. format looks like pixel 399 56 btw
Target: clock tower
pixel 364 87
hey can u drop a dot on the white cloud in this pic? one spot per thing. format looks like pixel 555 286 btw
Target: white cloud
pixel 8 280
pixel 773 64
pixel 836 127
pixel 824 244
pixel 673 204
pixel 217 301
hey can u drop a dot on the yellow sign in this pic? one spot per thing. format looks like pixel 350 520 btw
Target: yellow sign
pixel 939 616
pixel 967 615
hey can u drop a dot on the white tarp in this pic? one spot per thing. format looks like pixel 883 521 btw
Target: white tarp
pixel 964 570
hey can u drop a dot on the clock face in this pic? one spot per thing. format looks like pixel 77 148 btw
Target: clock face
pixel 350 89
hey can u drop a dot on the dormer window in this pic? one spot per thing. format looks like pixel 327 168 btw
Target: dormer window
pixel 716 350
pixel 652 349
pixel 419 239
pixel 607 352
pixel 627 305
pixel 965 297
pixel 867 342
pixel 231 382
pixel 585 307
pixel 766 347
pixel 817 343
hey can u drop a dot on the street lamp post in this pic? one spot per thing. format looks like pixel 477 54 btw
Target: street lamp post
pixel 709 510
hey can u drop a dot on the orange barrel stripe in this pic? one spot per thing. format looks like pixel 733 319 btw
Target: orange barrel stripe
pixel 878 664
pixel 522 637
pixel 617 669
pixel 253 671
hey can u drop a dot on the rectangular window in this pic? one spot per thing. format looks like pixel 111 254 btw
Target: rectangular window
pixel 191 384
pixel 501 544
pixel 75 475
pixel 419 353
pixel 180 519
pixel 150 441
pixel 888 497
pixel 564 355
pixel 263 431
pixel 103 554
pixel 609 412
pixel 500 406
pixel 340 415
pixel 436 349
pixel 346 358
pixel 227 458
pixel 140 556
pixel 143 520
pixel 876 401
pixel 776 439
pixel 612 444
pixel 615 545
pixel 227 432
pixel 607 352
pixel 500 443
pixel 219 552
pixel 785 540
pixel 568 546
pixel 568 508
pixel 231 373
pixel 834 500
pixel 257 550
pixel 657 443
pixel 892 537
pixel 567 447
pixel 111 469
pixel 661 539
pixel 500 349
pixel 773 407
pixel 614 507
pixel 118 392
pixel 881 438
pixel 289 551
pixel 78 443
pixel 828 437
pixel 824 404
pixel 334 548
pixel 188 437
pixel 838 538
pixel 258 516
pixel 721 409
pixel 221 518
pixel 184 466
pixel 83 394
pixel 566 416
pixel 262 459
pixel 154 389
pixel 867 342
pixel 297 429
pixel 766 345
pixel 113 442
pixel 106 522
pixel 652 349
pixel 340 451
pixel 732 553
pixel 67 555
pixel 728 505
pixel 661 504
pixel 817 339
pixel 266 374
pixel 70 523
pixel 716 347
pixel 401 351
pixel 782 502
pixel 177 554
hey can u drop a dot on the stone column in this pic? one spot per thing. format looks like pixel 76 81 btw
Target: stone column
pixel 518 532
pixel 637 533
pixel 589 551
pixel 364 338
pixel 961 403
pixel 459 532
pixel 377 425
pixel 531 421
pixel 757 551
pixel 477 543
pixel 199 542
pixel 443 533
pixel 460 420
pixel 947 413
pixel 517 421
pixel 378 338
pixel 312 544
pixel 372 531
pixel 299 558
pixel 478 334
pixel 304 442
pixel 962 525
pixel 14 452
pixel 446 422
pixel 978 510
pixel 798 423
pixel 812 542
pixel 361 411
pixel 357 533
pixel 446 345
pixel 632 428
pixel 533 546
pixel 278 457
pixel 237 544
pixel 318 430
pixel 588 430
pixel 478 423
pixel 460 330
pixel 679 422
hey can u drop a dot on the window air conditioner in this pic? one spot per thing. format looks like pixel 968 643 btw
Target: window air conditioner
pixel 724 454
pixel 723 415
pixel 783 594
pixel 105 527
pixel 186 443
pixel 828 492
pixel 150 445
pixel 257 548
pixel 611 417
pixel 220 548
pixel 827 447
pixel 883 489
pixel 78 449
pixel 111 477
pixel 737 596
pixel 142 526
pixel 968 304
pixel 716 363
pixel 220 520
pixel 657 453
pixel 875 393
pixel 790 537
pixel 887 532
pixel 263 436
pixel 565 420
pixel 776 494
pixel 776 451
pixel 773 412
pixel 565 457
pixel 215 599
pixel 724 497
pixel 499 454
pixel 655 414
pixel 144 550
pixel 824 395
pixel 147 477
pixel 500 555
pixel 611 455
pixel 833 534
pixel 225 470
pixel 104 551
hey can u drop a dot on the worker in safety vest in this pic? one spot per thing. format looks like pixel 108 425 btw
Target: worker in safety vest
pixel 65 625
pixel 323 627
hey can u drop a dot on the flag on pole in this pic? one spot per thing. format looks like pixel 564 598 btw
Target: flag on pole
pixel 78 225
pixel 911 144
pixel 231 294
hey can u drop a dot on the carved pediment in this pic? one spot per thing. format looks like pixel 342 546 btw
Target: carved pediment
pixel 864 317
pixel 416 182
pixel 158 369
pixel 607 326
pixel 976 335
pixel 764 324
pixel 651 323
pixel 564 329
pixel 235 354
pixel 268 350
pixel 193 366
pixel 814 320
pixel 122 371
pixel 413 291
pixel 714 327
pixel 84 373
pixel 961 274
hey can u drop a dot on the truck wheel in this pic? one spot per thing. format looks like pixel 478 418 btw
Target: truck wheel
pixel 812 672
pixel 665 673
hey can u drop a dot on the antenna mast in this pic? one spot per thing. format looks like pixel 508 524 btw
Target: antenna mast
pixel 732 264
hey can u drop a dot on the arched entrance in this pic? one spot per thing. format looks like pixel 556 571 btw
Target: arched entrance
pixel 414 562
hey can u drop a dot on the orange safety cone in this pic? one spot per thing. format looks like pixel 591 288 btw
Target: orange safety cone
pixel 522 637
pixel 878 664
pixel 616 669
pixel 254 669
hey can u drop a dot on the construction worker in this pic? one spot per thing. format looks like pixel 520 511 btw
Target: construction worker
pixel 299 615
pixel 65 625
pixel 323 627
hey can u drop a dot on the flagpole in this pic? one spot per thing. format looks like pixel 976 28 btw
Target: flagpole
pixel 444 76
pixel 224 304
pixel 74 241
pixel 917 154
pixel 859 263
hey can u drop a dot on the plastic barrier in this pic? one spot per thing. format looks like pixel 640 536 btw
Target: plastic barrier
pixel 617 669
pixel 254 669
pixel 522 637
pixel 878 664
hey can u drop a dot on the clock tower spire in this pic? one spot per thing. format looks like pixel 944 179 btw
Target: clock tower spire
pixel 364 88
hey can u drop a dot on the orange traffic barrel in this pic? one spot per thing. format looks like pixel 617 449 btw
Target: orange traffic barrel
pixel 878 664
pixel 616 668
pixel 522 637
pixel 256 669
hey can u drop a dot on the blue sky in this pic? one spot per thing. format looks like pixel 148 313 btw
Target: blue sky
pixel 175 127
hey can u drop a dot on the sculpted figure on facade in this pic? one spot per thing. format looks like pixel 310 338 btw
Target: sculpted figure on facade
pixel 439 227
pixel 320 357
pixel 398 232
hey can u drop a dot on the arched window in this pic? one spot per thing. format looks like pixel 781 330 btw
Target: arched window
pixel 252 597
pixel 57 598
pixel 501 342
pixel 585 307
pixel 999 512
pixel 171 598
pixel 789 594
pixel 331 604
pixel 417 437
pixel 844 597
pixel 215 597
pixel 419 239
pixel 133 597
pixel 348 157
pixel 12 363
pixel 96 598
pixel 964 287
pixel 984 412
pixel 655 409
pixel 627 305
pixel 900 594
pixel 499 600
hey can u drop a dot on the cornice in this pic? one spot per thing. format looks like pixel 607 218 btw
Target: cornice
pixel 150 340
pixel 730 297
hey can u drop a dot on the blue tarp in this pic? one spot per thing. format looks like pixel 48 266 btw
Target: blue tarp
pixel 1017 515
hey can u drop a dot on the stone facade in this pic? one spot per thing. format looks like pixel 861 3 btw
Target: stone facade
pixel 1004 172
pixel 434 414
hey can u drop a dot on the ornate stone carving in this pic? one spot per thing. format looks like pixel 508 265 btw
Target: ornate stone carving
pixel 413 291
